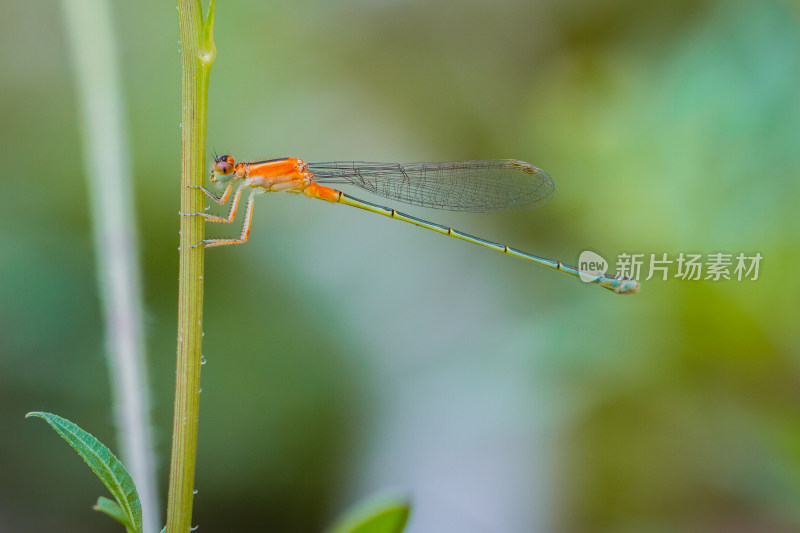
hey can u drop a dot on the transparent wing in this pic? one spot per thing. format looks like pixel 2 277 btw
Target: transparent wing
pixel 474 186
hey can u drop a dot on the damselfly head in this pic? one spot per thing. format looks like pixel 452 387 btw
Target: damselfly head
pixel 223 168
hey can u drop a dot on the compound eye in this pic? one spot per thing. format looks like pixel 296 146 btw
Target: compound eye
pixel 223 164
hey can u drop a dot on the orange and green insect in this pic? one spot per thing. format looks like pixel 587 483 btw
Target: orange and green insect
pixel 475 186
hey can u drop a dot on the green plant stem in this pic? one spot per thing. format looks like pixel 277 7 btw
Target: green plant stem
pixel 197 56
pixel 96 66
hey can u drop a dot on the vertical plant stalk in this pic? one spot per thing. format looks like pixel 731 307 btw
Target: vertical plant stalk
pixel 197 56
pixel 116 248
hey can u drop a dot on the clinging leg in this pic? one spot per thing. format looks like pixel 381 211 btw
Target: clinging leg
pixel 234 206
pixel 221 199
pixel 248 219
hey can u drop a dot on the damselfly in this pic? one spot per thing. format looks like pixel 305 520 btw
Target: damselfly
pixel 475 186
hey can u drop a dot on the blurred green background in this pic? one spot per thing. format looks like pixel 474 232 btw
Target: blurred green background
pixel 348 353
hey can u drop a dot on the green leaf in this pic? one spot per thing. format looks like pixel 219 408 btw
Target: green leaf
pixel 106 466
pixel 112 509
pixel 377 515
